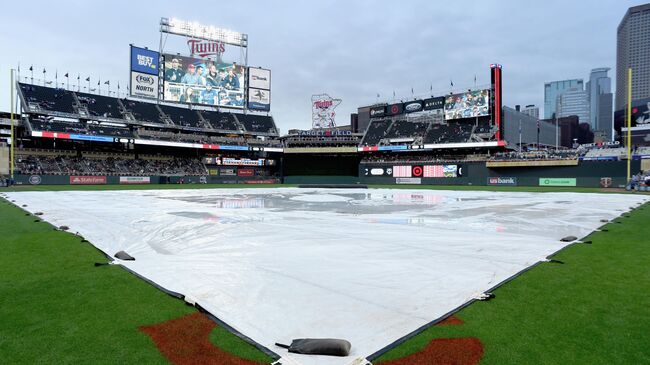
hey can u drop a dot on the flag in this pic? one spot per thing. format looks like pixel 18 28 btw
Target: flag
pixel 431 87
pixel 377 94
pixel 78 76
pixel 98 82
pixel 118 85
pixel 107 83
pixel 66 75
pixel 44 70
pixel 31 68
pixel 475 79
pixel 393 94
pixel 451 82
pixel 412 91
pixel 88 78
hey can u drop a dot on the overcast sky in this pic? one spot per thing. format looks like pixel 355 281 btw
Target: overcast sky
pixel 352 50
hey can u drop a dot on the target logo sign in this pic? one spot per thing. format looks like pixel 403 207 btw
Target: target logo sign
pixel 417 171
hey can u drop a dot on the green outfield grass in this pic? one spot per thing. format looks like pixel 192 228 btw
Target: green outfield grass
pixel 57 307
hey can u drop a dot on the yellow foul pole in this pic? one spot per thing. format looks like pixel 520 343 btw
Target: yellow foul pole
pixel 629 123
pixel 11 153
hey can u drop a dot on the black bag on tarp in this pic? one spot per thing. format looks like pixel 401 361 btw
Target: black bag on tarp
pixel 318 346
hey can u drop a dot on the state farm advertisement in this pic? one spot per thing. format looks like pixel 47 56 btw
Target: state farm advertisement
pixel 87 180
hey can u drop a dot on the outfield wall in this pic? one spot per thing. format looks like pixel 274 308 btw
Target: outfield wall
pixel 139 180
pixel 584 174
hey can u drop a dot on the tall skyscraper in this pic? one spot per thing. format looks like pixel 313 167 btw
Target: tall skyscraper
pixel 574 101
pixel 554 89
pixel 633 51
pixel 599 87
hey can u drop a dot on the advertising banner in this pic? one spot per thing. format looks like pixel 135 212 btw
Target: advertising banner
pixel 408 180
pixel 259 99
pixel 377 111
pixel 471 104
pixel 378 171
pixel 395 109
pixel 144 85
pixel 245 172
pixel 441 171
pixel 549 181
pixel 135 180
pixel 87 180
pixel 413 106
pixel 242 162
pixel 402 171
pixel 259 78
pixel 502 181
pixel 227 172
pixel 144 61
pixel 203 81
pixel 434 103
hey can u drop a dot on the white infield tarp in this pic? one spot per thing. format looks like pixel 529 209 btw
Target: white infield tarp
pixel 368 266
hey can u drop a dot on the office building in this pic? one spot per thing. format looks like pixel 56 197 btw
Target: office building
pixel 601 111
pixel 552 90
pixel 633 51
pixel 573 101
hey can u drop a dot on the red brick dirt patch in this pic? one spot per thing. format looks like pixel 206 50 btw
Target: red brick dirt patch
pixel 445 351
pixel 450 321
pixel 186 341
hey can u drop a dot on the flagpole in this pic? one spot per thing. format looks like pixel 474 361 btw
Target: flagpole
pixel 12 151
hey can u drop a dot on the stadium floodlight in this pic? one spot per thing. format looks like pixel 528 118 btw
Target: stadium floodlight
pixel 198 31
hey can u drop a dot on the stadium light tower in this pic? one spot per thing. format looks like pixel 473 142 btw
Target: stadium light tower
pixel 205 32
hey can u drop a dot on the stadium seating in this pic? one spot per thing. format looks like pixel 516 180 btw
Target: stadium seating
pixel 257 123
pixel 109 130
pixel 406 129
pixel 100 106
pixel 375 132
pixel 114 164
pixel 49 99
pixel 221 121
pixel 182 116
pixel 143 112
pixel 49 125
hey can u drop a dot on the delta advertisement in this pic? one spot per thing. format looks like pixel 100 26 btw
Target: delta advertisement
pixel 259 99
pixel 144 72
pixel 203 81
pixel 471 104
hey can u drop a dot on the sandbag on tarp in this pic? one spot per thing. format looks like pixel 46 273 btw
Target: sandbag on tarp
pixel 124 256
pixel 319 346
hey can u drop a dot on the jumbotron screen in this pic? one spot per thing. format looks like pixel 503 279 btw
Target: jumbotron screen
pixel 471 104
pixel 202 81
